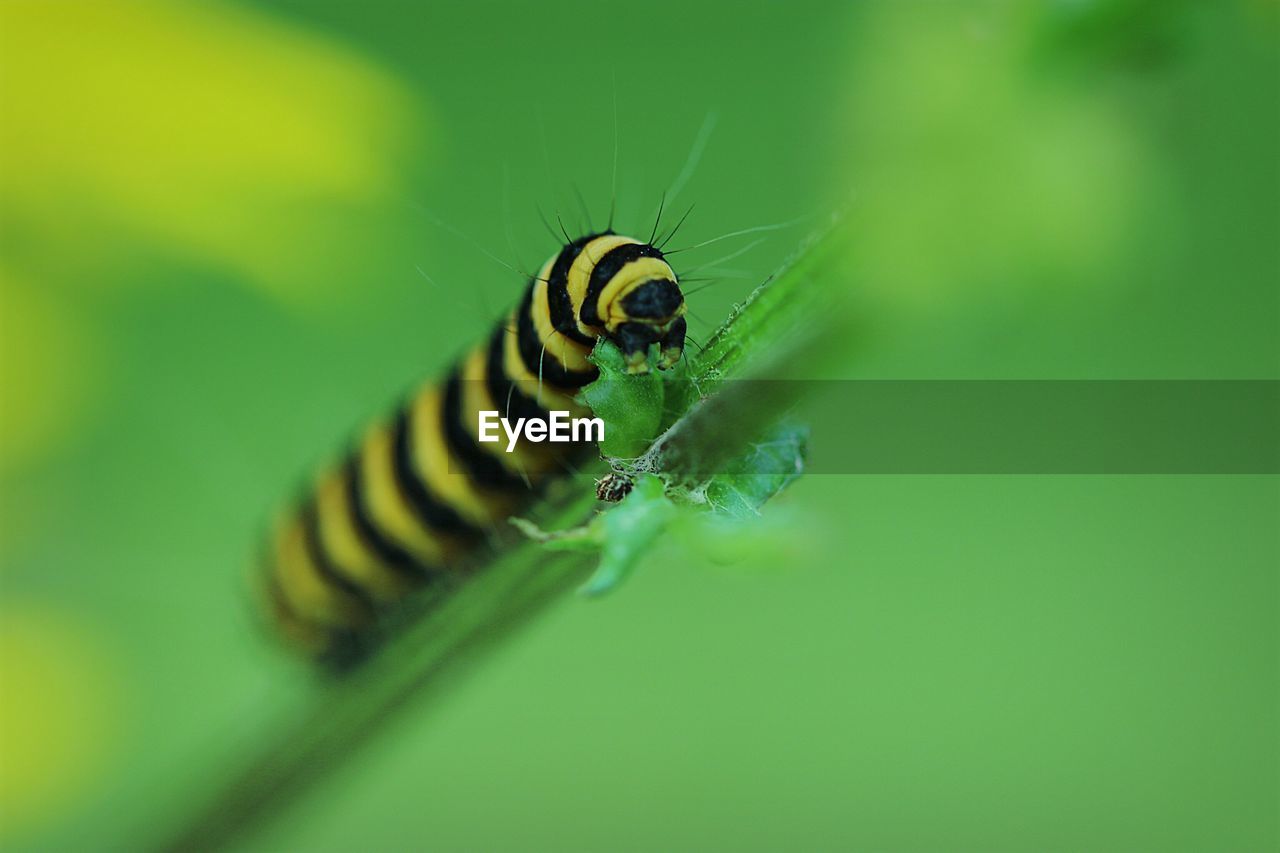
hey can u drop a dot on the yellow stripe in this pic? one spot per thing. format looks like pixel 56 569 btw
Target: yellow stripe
pixel 265 584
pixel 547 396
pixel 339 538
pixel 627 279
pixel 524 460
pixel 448 480
pixel 308 594
pixel 306 637
pixel 580 271
pixel 565 350
pixel 391 512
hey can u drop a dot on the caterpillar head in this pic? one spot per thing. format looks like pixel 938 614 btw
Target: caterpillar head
pixel 646 308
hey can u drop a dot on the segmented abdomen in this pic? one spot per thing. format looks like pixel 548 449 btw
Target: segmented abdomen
pixel 418 496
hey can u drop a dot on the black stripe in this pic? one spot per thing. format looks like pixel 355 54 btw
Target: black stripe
pixel 558 301
pixel 433 513
pixel 512 404
pixel 536 360
pixel 342 646
pixel 604 271
pixel 388 552
pixel 324 563
pixel 509 400
pixel 483 468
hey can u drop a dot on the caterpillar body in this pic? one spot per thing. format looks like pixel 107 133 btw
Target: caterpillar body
pixel 413 500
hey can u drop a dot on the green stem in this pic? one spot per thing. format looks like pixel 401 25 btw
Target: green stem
pixel 424 658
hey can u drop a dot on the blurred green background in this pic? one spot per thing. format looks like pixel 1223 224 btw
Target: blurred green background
pixel 210 222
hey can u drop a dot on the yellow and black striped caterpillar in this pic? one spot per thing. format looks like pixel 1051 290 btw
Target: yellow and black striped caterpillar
pixel 414 499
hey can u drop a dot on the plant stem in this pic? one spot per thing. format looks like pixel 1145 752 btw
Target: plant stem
pixel 422 660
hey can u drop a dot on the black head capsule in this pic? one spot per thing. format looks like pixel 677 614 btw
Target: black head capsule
pixel 657 300
pixel 657 305
pixel 632 298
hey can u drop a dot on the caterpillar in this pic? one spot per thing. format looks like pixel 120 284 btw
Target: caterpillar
pixel 412 502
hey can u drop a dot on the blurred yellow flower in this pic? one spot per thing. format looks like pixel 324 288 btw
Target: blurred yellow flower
pixel 59 705
pixel 204 132
pixel 46 376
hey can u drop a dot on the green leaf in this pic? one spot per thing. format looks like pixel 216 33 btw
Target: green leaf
pixel 766 468
pixel 631 405
pixel 587 537
pixel 630 529
pixel 621 535
pixel 681 390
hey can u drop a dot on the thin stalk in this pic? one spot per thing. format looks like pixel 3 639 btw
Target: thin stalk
pixel 421 662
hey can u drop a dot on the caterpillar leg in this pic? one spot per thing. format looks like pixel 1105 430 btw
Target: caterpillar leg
pixel 634 339
pixel 673 344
